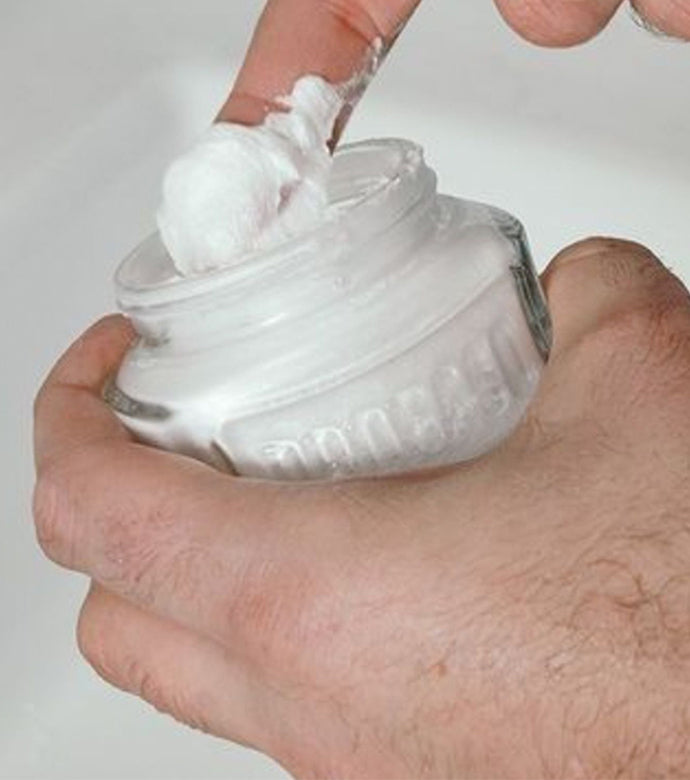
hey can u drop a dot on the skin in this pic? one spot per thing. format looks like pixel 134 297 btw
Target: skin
pixel 523 615
pixel 331 38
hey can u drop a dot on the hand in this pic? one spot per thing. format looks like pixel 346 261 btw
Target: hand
pixel 331 38
pixel 568 22
pixel 523 615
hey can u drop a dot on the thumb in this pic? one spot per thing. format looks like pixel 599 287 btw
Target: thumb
pixel 621 325
pixel 600 279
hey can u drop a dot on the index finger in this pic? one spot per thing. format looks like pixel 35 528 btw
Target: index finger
pixel 328 38
pixel 165 532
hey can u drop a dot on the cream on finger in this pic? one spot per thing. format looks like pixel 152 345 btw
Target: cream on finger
pixel 242 188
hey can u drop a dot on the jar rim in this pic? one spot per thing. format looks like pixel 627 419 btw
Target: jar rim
pixel 147 278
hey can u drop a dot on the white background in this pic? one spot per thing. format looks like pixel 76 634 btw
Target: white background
pixel 96 95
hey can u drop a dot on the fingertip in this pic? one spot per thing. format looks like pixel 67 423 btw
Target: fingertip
pixel 664 17
pixel 112 323
pixel 557 23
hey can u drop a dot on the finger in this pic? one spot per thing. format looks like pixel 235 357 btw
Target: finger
pixel 68 411
pixel 329 38
pixel 669 16
pixel 96 488
pixel 180 673
pixel 621 349
pixel 162 530
pixel 558 22
pixel 600 280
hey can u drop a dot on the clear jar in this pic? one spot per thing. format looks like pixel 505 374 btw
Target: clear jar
pixel 408 330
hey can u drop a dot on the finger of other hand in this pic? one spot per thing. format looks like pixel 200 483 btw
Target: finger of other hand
pixel 329 38
pixel 669 16
pixel 558 22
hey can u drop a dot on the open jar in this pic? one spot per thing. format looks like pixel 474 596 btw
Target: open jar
pixel 408 330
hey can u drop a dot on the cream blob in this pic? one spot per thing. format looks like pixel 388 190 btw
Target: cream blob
pixel 243 188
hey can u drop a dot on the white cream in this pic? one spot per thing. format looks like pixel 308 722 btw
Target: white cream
pixel 395 337
pixel 243 188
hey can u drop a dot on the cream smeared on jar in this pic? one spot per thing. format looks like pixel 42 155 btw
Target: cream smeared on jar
pixel 242 188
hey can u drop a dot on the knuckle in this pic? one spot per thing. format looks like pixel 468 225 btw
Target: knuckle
pixel 60 503
pixel 267 610
pixel 99 642
pixel 276 613
pixel 99 632
pixel 96 640
pixel 124 542
pixel 52 511
pixel 291 612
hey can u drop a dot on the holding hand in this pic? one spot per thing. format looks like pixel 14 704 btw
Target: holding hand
pixel 523 615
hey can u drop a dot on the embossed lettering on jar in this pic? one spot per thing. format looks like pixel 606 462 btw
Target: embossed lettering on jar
pixel 409 329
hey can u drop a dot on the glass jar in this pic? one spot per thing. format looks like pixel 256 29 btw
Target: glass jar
pixel 408 330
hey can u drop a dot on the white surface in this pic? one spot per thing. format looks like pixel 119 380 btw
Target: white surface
pixel 243 188
pixel 97 96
